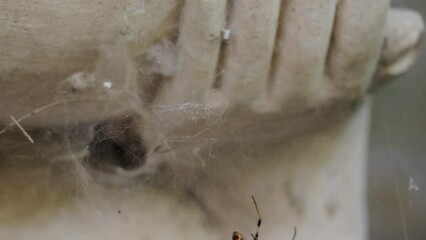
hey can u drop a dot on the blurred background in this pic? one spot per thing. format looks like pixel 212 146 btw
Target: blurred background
pixel 397 165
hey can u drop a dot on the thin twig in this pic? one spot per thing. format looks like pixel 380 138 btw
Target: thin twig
pixel 295 232
pixel 13 123
pixel 40 109
pixel 22 129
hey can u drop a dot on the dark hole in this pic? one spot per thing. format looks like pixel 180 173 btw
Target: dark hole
pixel 115 144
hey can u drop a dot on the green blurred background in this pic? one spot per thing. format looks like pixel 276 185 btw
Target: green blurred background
pixel 398 153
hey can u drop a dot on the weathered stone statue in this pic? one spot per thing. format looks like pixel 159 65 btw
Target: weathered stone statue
pixel 152 119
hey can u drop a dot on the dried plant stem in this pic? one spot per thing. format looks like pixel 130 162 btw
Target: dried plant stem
pixel 40 109
pixel 22 129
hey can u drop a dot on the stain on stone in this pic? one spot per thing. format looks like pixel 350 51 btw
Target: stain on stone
pixel 330 208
